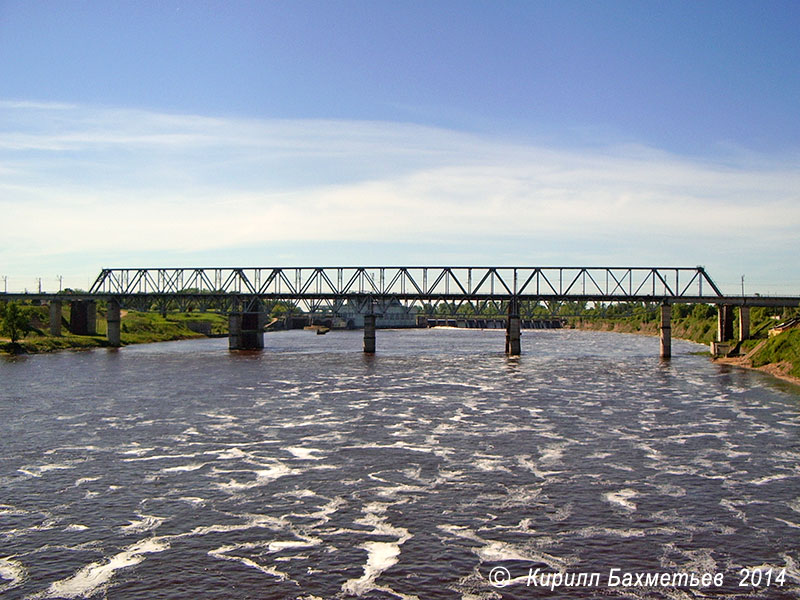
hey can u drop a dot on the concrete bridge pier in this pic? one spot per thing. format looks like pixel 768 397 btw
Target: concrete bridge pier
pixel 513 328
pixel 369 333
pixel 744 323
pixel 83 317
pixel 666 331
pixel 55 317
pixel 252 331
pixel 113 323
pixel 724 343
pixel 246 329
pixel 234 330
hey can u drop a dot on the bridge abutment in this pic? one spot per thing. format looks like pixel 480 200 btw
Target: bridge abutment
pixel 513 329
pixel 666 331
pixel 55 317
pixel 369 333
pixel 113 323
pixel 83 317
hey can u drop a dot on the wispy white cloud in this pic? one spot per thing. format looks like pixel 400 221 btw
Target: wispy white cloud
pixel 81 180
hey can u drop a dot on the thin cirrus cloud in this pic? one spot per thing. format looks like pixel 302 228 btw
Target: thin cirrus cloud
pixel 78 179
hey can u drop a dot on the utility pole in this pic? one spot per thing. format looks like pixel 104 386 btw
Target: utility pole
pixel 743 285
pixel 59 277
pixel 39 283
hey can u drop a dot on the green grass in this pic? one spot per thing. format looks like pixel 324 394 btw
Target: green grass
pixel 784 347
pixel 139 327
pixel 136 328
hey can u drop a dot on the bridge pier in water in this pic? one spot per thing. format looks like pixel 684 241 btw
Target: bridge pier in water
pixel 55 317
pixel 83 317
pixel 513 329
pixel 113 323
pixel 666 331
pixel 369 333
pixel 246 330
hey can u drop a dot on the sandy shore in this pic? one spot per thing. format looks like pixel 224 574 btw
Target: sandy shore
pixel 779 370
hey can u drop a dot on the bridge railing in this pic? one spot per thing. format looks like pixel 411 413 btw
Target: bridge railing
pixel 414 282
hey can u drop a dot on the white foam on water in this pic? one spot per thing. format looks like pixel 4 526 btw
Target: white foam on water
pixel 158 457
pixel 262 477
pixel 521 496
pixel 497 551
pixel 620 533
pixel 380 556
pixel 794 504
pixel 622 498
pixel 620 467
pixel 731 506
pixel 192 500
pixel 562 513
pixel 83 480
pixel 400 488
pixel 183 468
pixel 251 522
pixel 771 478
pixel 39 470
pixel 324 513
pixel 297 494
pixel 381 528
pixel 490 465
pixel 146 523
pixel 229 453
pixel 304 453
pixel 552 453
pixel 534 468
pixel 788 523
pixel 13 572
pixel 220 416
pixel 668 489
pixel 223 553
pixel 280 545
pixel 76 527
pixel 93 576
pixel 599 455
pixel 137 451
pixel 396 445
pixel 90 448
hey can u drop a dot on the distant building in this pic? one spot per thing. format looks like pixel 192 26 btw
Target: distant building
pixel 785 326
pixel 395 315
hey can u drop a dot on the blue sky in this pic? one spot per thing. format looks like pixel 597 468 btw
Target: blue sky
pixel 350 133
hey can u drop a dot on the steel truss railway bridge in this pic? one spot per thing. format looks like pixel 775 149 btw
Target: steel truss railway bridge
pixel 515 292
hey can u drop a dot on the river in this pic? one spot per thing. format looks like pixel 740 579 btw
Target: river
pixel 438 468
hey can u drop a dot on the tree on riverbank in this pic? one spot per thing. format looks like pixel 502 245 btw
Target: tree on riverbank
pixel 14 321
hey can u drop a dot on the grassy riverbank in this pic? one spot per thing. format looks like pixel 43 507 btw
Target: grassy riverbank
pixel 135 328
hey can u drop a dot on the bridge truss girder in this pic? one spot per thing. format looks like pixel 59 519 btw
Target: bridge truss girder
pixel 418 283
